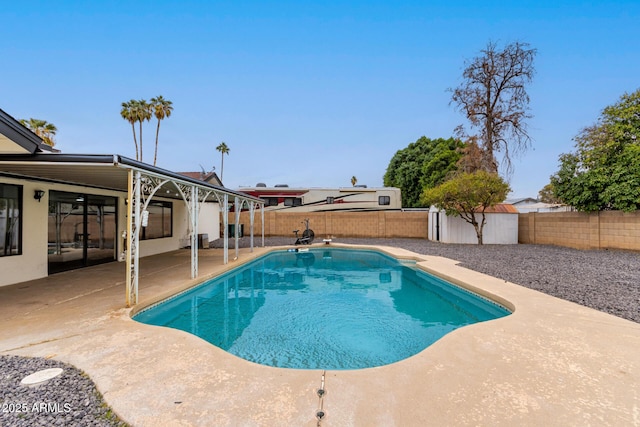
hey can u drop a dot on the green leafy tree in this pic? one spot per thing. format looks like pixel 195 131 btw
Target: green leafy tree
pixel 547 195
pixel 45 130
pixel 603 173
pixel 423 163
pixel 494 99
pixel 162 109
pixel 223 149
pixel 468 195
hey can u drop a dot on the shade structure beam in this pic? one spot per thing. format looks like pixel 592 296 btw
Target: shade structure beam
pixel 133 236
pixel 142 188
pixel 237 208
pixel 252 213
pixel 225 221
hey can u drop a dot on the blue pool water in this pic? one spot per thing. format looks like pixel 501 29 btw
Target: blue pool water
pixel 323 309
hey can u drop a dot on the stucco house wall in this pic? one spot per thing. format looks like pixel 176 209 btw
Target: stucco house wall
pixel 209 220
pixel 33 263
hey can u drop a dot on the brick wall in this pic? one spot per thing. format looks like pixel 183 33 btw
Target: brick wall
pixel 340 224
pixel 581 230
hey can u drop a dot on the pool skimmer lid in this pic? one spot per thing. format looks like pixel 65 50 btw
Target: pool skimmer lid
pixel 41 377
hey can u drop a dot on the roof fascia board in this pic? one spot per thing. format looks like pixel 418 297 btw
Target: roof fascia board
pixel 58 181
pixel 118 161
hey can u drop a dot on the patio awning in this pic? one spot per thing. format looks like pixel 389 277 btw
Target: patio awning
pixel 106 171
pixel 141 182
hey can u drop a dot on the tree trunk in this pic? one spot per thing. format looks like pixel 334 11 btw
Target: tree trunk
pixel 479 234
pixel 155 154
pixel 135 141
pixel 140 140
pixel 478 228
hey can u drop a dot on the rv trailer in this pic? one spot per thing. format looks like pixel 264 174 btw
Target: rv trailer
pixel 358 198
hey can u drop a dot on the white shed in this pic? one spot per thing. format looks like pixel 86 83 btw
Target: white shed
pixel 501 226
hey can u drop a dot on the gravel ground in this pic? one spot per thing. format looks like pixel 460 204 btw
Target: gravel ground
pixel 70 399
pixel 608 281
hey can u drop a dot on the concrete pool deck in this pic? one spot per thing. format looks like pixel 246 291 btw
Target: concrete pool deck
pixel 551 362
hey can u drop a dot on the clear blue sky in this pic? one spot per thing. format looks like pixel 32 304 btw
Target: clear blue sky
pixel 305 93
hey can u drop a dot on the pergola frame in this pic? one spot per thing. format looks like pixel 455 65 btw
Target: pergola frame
pixel 141 182
pixel 143 186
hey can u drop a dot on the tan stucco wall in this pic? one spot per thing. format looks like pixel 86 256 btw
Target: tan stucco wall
pixel 32 264
pixel 581 230
pixel 7 146
pixel 209 220
pixel 180 232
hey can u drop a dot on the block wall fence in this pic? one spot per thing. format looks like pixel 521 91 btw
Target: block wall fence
pixel 339 224
pixel 580 230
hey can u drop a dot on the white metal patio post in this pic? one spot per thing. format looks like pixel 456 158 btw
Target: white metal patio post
pixel 194 231
pixel 133 237
pixel 128 239
pixel 225 221
pixel 237 208
pixel 252 211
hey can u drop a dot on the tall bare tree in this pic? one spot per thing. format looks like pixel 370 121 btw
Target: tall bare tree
pixel 494 99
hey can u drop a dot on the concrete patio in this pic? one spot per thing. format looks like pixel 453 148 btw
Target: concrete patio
pixel 551 362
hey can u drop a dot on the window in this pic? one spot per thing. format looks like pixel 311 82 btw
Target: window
pixel 384 200
pixel 10 220
pixel 330 200
pixel 270 201
pixel 160 222
pixel 293 201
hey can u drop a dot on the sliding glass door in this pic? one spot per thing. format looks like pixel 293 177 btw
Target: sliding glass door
pixel 82 230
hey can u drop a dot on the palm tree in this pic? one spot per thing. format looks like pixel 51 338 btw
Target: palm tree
pixel 42 128
pixel 223 149
pixel 162 109
pixel 142 111
pixel 354 181
pixel 127 113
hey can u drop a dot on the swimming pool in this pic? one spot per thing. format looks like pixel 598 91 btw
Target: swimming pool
pixel 323 309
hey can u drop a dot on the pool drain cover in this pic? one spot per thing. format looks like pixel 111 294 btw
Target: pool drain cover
pixel 40 377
